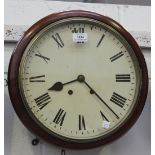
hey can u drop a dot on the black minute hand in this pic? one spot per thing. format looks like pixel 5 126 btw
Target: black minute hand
pixel 100 98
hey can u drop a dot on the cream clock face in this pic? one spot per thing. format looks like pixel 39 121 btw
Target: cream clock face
pixel 79 79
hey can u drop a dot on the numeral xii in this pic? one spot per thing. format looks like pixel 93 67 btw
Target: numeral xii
pixel 78 30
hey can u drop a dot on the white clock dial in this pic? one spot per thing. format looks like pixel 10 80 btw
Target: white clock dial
pixel 79 79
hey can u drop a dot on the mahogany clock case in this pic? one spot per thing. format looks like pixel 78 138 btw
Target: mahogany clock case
pixel 13 80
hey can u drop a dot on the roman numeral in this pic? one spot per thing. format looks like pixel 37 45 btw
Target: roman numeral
pixel 43 57
pixel 58 40
pixel 118 99
pixel 103 116
pixel 60 116
pixel 115 57
pixel 123 78
pixel 37 78
pixel 100 41
pixel 43 100
pixel 82 125
pixel 78 30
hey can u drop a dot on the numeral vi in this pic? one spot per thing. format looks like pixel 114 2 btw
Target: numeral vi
pixel 82 125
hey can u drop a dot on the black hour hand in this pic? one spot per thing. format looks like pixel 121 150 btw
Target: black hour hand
pixel 58 86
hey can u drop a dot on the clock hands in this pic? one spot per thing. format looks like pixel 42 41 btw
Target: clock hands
pixel 58 86
pixel 81 78
pixel 94 92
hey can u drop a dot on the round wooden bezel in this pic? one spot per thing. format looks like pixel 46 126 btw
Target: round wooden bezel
pixel 13 81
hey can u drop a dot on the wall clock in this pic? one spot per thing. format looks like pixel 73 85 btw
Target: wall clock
pixel 77 79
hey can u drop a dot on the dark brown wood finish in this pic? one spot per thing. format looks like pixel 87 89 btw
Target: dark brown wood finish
pixel 14 85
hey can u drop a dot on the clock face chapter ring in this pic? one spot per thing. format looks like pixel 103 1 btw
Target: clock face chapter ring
pixel 78 79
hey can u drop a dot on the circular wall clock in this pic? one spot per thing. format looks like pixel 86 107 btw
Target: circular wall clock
pixel 78 79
